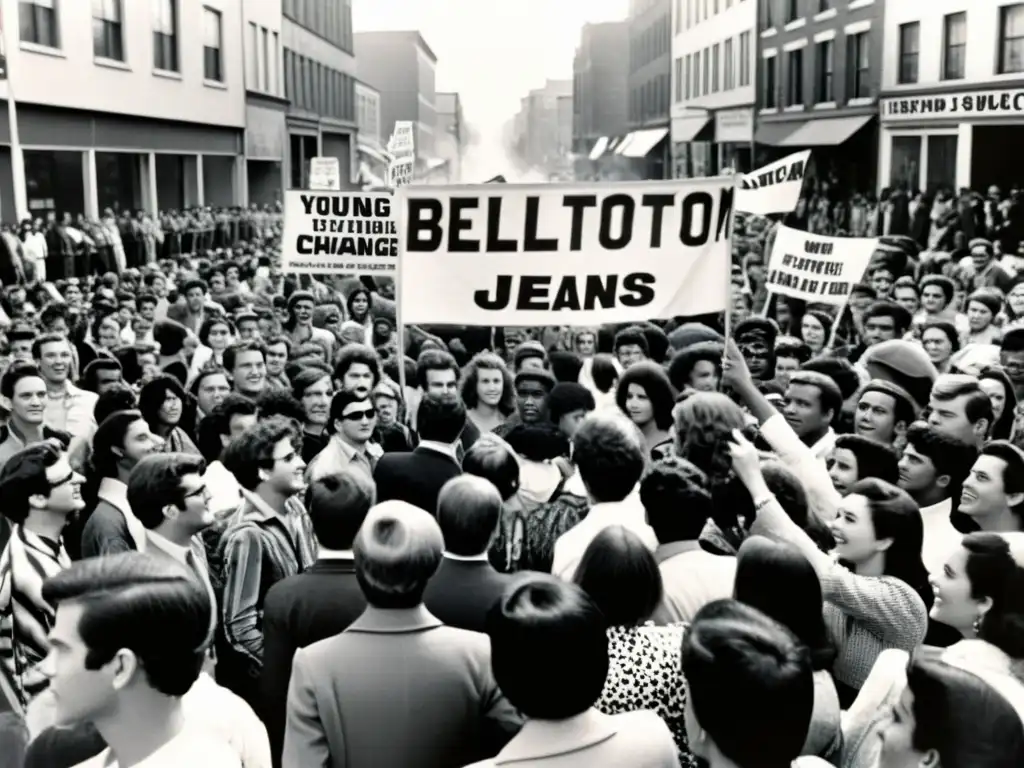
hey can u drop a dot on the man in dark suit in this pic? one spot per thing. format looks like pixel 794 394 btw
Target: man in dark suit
pixel 466 586
pixel 321 602
pixel 417 476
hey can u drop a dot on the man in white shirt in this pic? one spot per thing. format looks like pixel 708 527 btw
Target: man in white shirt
pixel 609 453
pixel 68 408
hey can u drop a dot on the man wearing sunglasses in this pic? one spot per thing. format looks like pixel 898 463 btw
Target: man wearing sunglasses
pixel 351 424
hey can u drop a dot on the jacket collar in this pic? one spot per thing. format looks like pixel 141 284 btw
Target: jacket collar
pixel 394 622
pixel 549 738
pixel 441 449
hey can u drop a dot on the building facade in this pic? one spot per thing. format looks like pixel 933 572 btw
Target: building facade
pixel 402 67
pixel 451 135
pixel 123 106
pixel 953 95
pixel 713 94
pixel 319 83
pixel 543 137
pixel 600 91
pixel 266 108
pixel 646 147
pixel 373 160
pixel 818 85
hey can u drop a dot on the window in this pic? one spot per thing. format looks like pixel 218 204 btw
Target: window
pixel 910 50
pixel 729 66
pixel 265 82
pixel 707 72
pixel 213 62
pixel 165 35
pixel 825 60
pixel 1011 39
pixel 954 47
pixel 906 162
pixel 767 21
pixel 37 20
pixel 744 59
pixel 252 64
pixel 860 87
pixel 696 75
pixel 795 78
pixel 715 56
pixel 275 67
pixel 686 75
pixel 792 10
pixel 107 42
pixel 824 5
pixel 679 78
pixel 771 78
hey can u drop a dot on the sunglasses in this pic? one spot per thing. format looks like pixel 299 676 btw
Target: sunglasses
pixel 367 413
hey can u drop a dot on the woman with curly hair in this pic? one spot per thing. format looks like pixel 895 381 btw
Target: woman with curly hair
pixel 646 396
pixel 487 391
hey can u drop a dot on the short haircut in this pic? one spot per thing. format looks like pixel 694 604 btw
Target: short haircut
pixel 195 282
pixel 209 324
pixel 904 408
pixel 1013 475
pixel 132 601
pixel 950 456
pixel 951 386
pixel 440 418
pixel 901 318
pixel 306 377
pixel 685 360
pixel 338 504
pixel 839 369
pixel 234 350
pixel 565 366
pixel 947 329
pixel 468 511
pixel 491 458
pixel 1013 340
pixel 486 361
pixel 906 282
pixel 211 369
pixel 652 378
pixel 526 350
pixel 676 496
pixel 632 336
pixel 549 647
pixel 874 458
pixel 117 397
pixel 829 396
pixel 794 348
pixel 750 683
pixel 47 338
pixel 945 284
pixel 610 456
pixel 19 370
pixel 218 423
pixel 254 449
pixel 567 397
pixel 434 360
pixel 350 354
pixel 155 482
pixel 621 575
pixel 397 550
pixel 110 435
pixel 339 402
pixel 24 475
pixel 88 381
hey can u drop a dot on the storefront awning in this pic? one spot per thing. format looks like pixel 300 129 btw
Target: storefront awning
pixel 774 133
pixel 627 139
pixel 830 132
pixel 599 148
pixel 644 141
pixel 373 152
pixel 685 129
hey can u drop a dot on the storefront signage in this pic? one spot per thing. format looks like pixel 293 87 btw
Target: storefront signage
pixel 954 106
pixel 735 125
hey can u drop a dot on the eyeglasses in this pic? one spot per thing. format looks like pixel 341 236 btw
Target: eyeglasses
pixel 367 413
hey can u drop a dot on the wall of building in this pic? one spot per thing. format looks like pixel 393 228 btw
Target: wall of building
pixel 264 58
pixel 600 84
pixel 694 32
pixel 650 43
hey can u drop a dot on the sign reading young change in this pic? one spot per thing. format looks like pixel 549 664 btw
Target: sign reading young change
pixel 339 232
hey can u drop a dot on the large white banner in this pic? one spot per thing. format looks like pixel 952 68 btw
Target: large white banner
pixel 774 188
pixel 564 254
pixel 339 232
pixel 817 268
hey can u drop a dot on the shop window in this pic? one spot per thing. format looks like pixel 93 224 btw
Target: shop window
pixel 906 162
pixel 910 50
pixel 795 78
pixel 941 162
pixel 1011 39
pixel 954 48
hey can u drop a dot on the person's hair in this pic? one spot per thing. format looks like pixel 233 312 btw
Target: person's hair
pixel 604 372
pixel 218 422
pixel 273 401
pixel 397 550
pixel 468 510
pixel 945 284
pixel 621 576
pixel 350 354
pixel 44 339
pixel 487 361
pixel 677 500
pixel 948 329
pixel 109 435
pixel 153 394
pixel 703 431
pixel 155 482
pixel 1003 426
pixel 824 320
pixel 609 453
pixel 492 459
pixel 339 402
pixel 566 397
pixel 874 458
pixel 434 360
pixel 1013 474
pixel 839 369
pixel 195 282
pixel 565 365
pixel 776 578
pixel 653 380
pixel 685 360
pixel 962 717
pixel 440 418
pixel 171 336
pixel 280 338
pixel 254 449
pixel 767 673
pixel 338 504
pixel 131 601
pixel 118 397
pixel 794 348
pixel 234 350
pixel 951 386
pixel 549 647
pixel 904 408
pixel 147 298
pixel 19 370
pixel 1013 341
pixel 905 282
pixel 949 455
pixel 351 300
pixel 209 324
pixel 829 396
pixel 993 573
pixel 527 350
pixel 894 515
pixel 632 336
pixel 901 318
pixel 23 475
pixel 89 375
pixel 208 370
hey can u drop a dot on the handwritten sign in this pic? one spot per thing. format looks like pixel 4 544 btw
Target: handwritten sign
pixel 817 268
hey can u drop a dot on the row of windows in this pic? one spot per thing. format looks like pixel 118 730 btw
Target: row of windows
pixel 720 67
pixel 650 100
pixel 262 62
pixel 368 114
pixel 39 23
pixel 313 87
pixel 330 19
pixel 689 13
pixel 792 92
pixel 1009 51
pixel 650 44
pixel 773 12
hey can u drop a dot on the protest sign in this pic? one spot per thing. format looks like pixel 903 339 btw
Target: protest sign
pixel 400 171
pixel 324 174
pixel 564 254
pixel 817 268
pixel 774 188
pixel 401 141
pixel 339 233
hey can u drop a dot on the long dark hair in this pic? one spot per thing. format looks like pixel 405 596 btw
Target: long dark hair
pixel 1002 427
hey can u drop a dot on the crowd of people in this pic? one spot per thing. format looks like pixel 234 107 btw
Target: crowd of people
pixel 241 527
